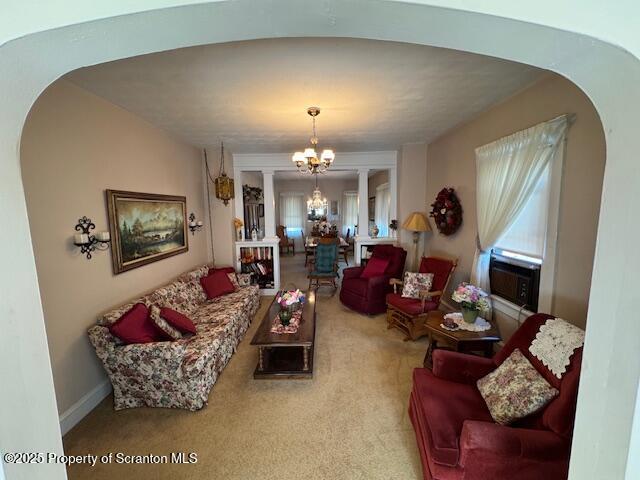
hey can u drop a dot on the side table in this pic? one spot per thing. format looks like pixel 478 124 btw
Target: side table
pixel 458 340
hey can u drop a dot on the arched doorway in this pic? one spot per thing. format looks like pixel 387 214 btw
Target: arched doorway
pixel 608 75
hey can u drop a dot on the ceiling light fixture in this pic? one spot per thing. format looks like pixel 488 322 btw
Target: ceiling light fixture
pixel 308 160
pixel 316 202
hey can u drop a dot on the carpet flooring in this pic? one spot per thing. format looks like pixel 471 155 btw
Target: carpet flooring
pixel 349 422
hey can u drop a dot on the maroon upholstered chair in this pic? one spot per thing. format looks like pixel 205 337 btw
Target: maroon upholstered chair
pixel 367 295
pixel 409 314
pixel 458 439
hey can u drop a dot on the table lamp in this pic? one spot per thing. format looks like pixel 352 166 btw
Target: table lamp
pixel 416 223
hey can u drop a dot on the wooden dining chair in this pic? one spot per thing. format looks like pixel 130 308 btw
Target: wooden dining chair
pixel 348 248
pixel 285 242
pixel 309 252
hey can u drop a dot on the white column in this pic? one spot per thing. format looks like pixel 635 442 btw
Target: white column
pixel 238 200
pixel 363 212
pixel 269 206
pixel 393 193
pixel 363 203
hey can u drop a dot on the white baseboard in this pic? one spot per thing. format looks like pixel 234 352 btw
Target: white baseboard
pixel 82 407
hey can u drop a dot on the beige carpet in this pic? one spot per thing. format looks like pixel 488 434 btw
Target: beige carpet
pixel 349 422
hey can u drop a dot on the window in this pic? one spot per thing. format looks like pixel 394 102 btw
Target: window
pixel 292 213
pixel 514 269
pixel 525 239
pixel 349 212
pixel 382 209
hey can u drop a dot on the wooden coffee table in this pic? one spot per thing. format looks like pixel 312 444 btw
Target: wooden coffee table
pixel 457 340
pixel 286 355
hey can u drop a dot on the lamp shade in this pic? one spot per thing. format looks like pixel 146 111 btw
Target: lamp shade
pixel 328 155
pixel 416 222
pixel 298 157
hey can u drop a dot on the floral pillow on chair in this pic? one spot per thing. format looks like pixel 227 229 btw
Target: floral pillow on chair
pixel 414 283
pixel 515 389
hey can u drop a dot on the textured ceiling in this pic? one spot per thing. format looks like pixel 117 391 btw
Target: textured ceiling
pixel 374 95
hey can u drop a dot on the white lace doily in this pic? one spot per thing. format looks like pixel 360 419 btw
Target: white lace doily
pixel 554 344
pixel 480 324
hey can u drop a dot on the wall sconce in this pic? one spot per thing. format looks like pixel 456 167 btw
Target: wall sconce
pixel 87 242
pixel 193 225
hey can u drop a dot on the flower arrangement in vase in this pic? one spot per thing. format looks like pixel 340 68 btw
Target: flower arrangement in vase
pixel 238 224
pixel 393 227
pixel 289 301
pixel 472 300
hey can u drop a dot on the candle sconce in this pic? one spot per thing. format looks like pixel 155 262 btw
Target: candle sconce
pixel 87 242
pixel 193 225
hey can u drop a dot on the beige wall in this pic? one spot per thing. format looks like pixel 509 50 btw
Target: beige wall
pixel 74 146
pixel 451 162
pixel 412 188
pixel 377 179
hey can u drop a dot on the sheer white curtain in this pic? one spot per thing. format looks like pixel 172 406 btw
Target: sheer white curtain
pixel 383 207
pixel 292 215
pixel 507 173
pixel 349 212
pixel 528 233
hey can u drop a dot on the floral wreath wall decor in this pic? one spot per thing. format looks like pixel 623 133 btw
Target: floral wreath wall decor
pixel 447 211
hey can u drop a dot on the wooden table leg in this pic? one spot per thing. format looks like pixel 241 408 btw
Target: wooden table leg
pixel 427 362
pixel 306 350
pixel 261 359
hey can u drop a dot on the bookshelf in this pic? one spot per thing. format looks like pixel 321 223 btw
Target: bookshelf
pixel 262 260
pixel 364 245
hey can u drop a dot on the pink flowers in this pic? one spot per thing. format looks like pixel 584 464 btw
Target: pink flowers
pixel 290 297
pixel 471 297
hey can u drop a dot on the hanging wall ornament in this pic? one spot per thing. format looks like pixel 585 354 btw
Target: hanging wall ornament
pixel 447 211
pixel 224 184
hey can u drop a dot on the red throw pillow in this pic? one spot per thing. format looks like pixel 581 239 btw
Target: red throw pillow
pixel 222 269
pixel 375 267
pixel 217 284
pixel 135 326
pixel 178 320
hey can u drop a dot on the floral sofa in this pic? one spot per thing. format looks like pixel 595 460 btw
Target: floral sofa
pixel 180 373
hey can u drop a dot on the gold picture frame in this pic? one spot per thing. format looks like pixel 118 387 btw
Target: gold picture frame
pixel 145 228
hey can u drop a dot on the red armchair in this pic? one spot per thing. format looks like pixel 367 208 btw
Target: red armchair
pixel 458 439
pixel 409 314
pixel 367 295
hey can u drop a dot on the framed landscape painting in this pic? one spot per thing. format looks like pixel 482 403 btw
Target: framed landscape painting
pixel 145 228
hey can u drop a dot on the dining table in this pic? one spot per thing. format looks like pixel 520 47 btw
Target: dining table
pixel 311 243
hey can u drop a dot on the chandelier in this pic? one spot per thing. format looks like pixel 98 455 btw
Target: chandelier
pixel 316 202
pixel 308 160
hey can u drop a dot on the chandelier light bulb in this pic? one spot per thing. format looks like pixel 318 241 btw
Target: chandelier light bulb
pixel 314 162
pixel 298 157
pixel 328 156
